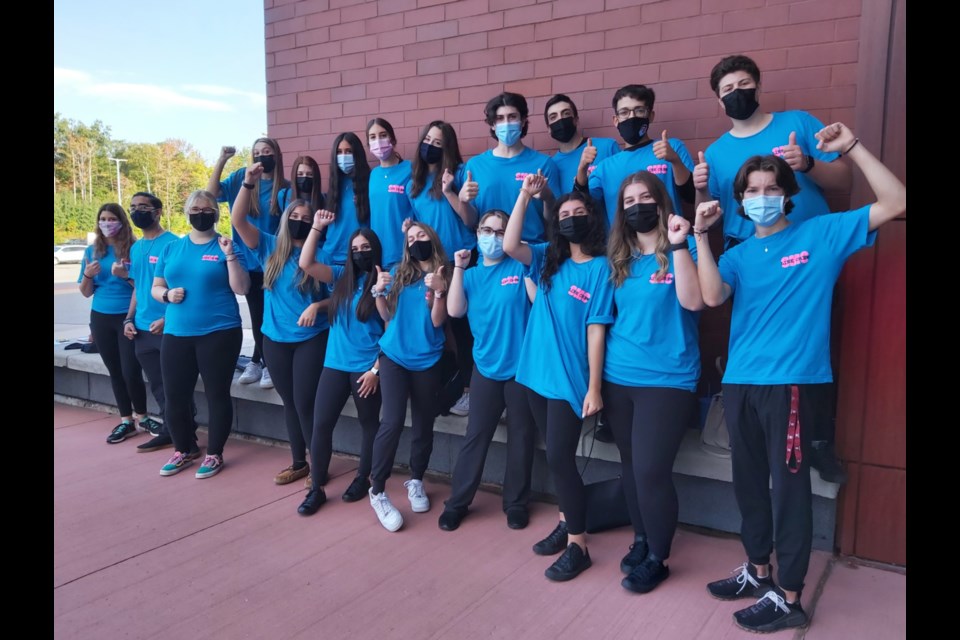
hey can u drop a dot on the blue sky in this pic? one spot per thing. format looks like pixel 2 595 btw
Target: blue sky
pixel 173 69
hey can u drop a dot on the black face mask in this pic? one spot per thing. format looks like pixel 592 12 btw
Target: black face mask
pixel 143 219
pixel 269 163
pixel 202 221
pixel 421 250
pixel 740 103
pixel 642 217
pixel 362 260
pixel 430 154
pixel 304 184
pixel 563 130
pixel 299 229
pixel 633 129
pixel 575 228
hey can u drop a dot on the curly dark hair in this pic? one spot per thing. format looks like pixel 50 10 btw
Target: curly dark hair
pixel 559 248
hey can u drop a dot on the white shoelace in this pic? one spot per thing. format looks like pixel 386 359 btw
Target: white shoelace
pixel 744 578
pixel 414 489
pixel 777 600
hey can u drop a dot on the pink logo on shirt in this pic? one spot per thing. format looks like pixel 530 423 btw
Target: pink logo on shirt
pixel 210 258
pixel 510 280
pixel 666 278
pixel 778 151
pixel 591 168
pixel 395 188
pixel 579 294
pixel 153 259
pixel 794 260
pixel 657 169
pixel 520 176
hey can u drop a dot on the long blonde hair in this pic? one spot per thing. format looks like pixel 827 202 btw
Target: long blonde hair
pixel 121 242
pixel 623 240
pixel 408 271
pixel 280 255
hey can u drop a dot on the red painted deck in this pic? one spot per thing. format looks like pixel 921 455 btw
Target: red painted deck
pixel 137 555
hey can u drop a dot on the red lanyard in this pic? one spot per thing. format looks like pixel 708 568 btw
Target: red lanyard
pixel 793 430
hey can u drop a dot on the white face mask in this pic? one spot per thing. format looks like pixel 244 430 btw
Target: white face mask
pixel 490 246
pixel 764 210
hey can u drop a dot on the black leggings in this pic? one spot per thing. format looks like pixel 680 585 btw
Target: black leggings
pixel 487 400
pixel 561 428
pixel 295 368
pixel 463 338
pixel 120 358
pixel 648 424
pixel 332 393
pixel 214 358
pixel 255 305
pixel 396 386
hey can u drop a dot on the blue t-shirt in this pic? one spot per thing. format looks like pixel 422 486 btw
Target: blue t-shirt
pixel 727 154
pixel 267 222
pixel 353 346
pixel 411 340
pixel 553 358
pixel 568 162
pixel 500 180
pixel 201 269
pixel 144 255
pixel 498 308
pixel 283 303
pixel 454 234
pixel 606 179
pixel 336 246
pixel 782 293
pixel 654 342
pixel 389 207
pixel 110 293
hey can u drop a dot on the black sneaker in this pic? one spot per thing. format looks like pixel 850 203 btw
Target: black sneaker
pixel 150 425
pixel 357 490
pixel 314 500
pixel 154 444
pixel 450 519
pixel 646 575
pixel 518 517
pixel 121 432
pixel 638 551
pixel 824 459
pixel 771 613
pixel 743 584
pixel 572 563
pixel 553 543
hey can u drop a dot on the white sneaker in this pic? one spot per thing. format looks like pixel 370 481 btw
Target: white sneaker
pixel 266 382
pixel 462 406
pixel 251 373
pixel 418 497
pixel 388 515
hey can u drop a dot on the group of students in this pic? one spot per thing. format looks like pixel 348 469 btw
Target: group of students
pixel 575 286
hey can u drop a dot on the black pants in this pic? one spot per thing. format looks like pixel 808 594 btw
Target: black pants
pixel 487 400
pixel 561 428
pixel 213 357
pixel 120 358
pixel 255 305
pixel 332 393
pixel 147 348
pixel 295 368
pixel 648 424
pixel 396 385
pixel 463 338
pixel 757 418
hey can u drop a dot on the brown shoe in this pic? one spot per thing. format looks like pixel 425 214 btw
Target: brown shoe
pixel 290 474
pixel 308 483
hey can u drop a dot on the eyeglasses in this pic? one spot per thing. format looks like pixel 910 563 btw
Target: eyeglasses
pixel 206 212
pixel 636 112
pixel 142 207
pixel 487 231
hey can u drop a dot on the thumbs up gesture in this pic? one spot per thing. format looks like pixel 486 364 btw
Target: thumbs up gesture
pixel 533 183
pixel 470 189
pixel 589 155
pixel 447 180
pixel 701 173
pixel 383 280
pixel 792 153
pixel 435 280
pixel 663 151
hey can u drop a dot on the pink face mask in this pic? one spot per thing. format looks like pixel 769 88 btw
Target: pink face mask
pixel 382 149
pixel 110 228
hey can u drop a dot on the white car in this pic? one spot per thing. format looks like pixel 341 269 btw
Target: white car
pixel 68 253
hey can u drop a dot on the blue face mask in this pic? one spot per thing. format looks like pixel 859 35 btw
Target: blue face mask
pixel 490 246
pixel 764 210
pixel 508 132
pixel 345 162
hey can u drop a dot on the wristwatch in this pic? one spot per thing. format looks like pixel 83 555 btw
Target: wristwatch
pixel 375 371
pixel 680 246
pixel 165 297
pixel 810 163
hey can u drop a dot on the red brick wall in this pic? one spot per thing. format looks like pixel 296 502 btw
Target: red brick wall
pixel 334 64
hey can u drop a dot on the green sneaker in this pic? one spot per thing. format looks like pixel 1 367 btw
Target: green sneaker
pixel 177 463
pixel 211 466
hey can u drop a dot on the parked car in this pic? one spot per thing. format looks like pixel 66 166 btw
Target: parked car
pixel 68 253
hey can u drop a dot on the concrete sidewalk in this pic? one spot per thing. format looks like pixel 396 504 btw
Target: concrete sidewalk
pixel 137 555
